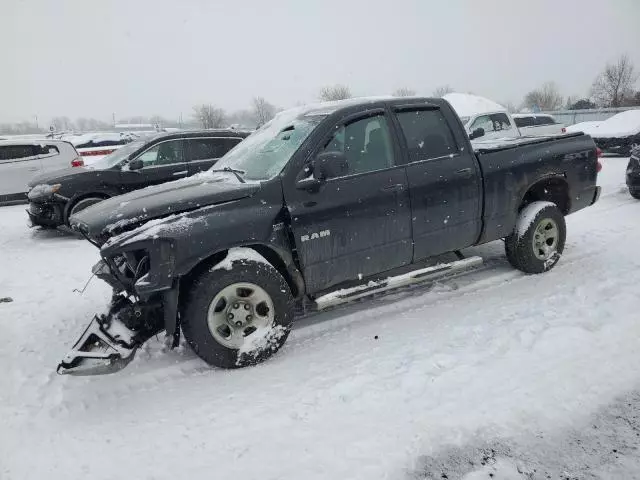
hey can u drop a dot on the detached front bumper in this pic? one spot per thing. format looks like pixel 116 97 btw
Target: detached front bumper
pixel 106 346
pixel 109 343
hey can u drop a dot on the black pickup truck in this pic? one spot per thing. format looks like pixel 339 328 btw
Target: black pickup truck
pixel 318 198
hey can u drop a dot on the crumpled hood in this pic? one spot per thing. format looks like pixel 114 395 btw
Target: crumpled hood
pixel 57 176
pixel 120 213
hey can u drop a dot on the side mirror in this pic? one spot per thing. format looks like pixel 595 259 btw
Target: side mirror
pixel 477 133
pixel 325 166
pixel 136 164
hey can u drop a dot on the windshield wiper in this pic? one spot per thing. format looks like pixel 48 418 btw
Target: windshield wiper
pixel 237 173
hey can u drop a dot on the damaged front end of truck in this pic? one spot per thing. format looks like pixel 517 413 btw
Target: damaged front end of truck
pixel 144 303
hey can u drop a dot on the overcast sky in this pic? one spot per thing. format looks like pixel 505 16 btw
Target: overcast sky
pixel 141 57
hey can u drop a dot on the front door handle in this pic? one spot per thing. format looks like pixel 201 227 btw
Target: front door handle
pixel 398 187
pixel 464 171
pixel 181 172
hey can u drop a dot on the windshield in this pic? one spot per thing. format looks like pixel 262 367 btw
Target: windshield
pixel 264 153
pixel 117 156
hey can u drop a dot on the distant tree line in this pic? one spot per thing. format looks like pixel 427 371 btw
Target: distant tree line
pixel 614 86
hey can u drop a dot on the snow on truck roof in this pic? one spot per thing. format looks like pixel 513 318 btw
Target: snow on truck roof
pixel 468 105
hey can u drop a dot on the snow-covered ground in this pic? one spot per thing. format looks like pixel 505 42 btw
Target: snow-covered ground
pixel 514 373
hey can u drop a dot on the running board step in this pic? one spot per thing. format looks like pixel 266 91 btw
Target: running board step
pixel 416 276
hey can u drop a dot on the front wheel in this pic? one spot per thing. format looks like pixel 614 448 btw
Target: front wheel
pixel 537 242
pixel 238 315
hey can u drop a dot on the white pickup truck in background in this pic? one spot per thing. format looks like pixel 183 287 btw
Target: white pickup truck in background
pixel 538 124
pixel 483 119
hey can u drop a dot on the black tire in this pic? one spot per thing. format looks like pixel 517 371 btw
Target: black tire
pixel 635 194
pixel 80 205
pixel 210 283
pixel 533 220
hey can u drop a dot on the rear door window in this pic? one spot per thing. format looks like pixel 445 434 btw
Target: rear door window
pixel 523 121
pixel 427 134
pixel 18 152
pixel 544 120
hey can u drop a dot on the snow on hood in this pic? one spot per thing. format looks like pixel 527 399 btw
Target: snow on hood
pixel 467 105
pixel 623 124
pixel 585 127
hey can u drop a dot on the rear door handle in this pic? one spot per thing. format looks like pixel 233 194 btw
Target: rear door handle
pixel 398 187
pixel 181 172
pixel 464 171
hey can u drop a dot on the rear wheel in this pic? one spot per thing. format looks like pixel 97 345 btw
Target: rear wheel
pixel 81 205
pixel 239 316
pixel 538 240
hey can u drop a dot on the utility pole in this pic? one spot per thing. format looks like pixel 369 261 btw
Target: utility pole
pixel 36 117
pixel 113 117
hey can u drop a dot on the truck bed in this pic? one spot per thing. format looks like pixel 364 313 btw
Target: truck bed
pixel 499 144
pixel 512 167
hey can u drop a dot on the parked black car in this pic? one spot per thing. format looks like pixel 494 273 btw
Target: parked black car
pixel 322 196
pixel 633 173
pixel 55 196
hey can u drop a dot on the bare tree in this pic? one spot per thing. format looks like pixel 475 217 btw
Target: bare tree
pixel 157 120
pixel 334 92
pixel 510 106
pixel 61 123
pixel 404 92
pixel 442 91
pixel 209 116
pixel 545 98
pixel 262 111
pixel 615 83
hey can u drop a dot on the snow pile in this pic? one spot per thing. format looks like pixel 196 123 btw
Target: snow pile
pixel 621 125
pixel 468 105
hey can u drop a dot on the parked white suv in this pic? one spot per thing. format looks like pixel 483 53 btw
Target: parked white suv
pixel 21 160
pixel 538 124
pixel 483 119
